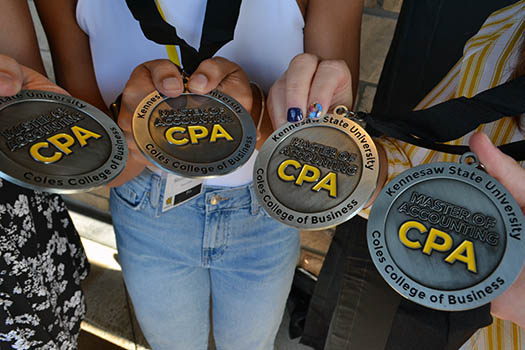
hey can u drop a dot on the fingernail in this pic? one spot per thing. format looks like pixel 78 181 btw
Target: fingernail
pixel 294 114
pixel 171 84
pixel 198 82
pixel 315 110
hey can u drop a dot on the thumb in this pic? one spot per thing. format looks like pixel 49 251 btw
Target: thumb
pixel 499 165
pixel 11 77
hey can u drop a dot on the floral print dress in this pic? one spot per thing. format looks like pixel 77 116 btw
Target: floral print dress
pixel 41 265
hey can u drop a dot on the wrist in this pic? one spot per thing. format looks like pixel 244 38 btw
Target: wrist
pixel 258 104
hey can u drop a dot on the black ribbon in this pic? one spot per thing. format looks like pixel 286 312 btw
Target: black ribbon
pixel 220 21
pixel 454 118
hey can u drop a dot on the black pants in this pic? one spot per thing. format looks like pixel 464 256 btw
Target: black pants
pixel 352 306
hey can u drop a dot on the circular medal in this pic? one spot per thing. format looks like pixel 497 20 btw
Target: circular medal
pixel 194 135
pixel 446 235
pixel 316 173
pixel 57 143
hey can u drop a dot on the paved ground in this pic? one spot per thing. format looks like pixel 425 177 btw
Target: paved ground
pixel 88 341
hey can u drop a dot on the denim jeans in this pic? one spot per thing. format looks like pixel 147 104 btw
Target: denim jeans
pixel 221 247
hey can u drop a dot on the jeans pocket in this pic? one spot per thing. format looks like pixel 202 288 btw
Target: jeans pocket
pixel 132 194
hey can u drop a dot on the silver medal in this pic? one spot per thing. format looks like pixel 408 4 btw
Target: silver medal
pixel 194 135
pixel 57 143
pixel 447 235
pixel 316 173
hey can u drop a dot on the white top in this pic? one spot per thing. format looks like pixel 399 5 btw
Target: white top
pixel 269 33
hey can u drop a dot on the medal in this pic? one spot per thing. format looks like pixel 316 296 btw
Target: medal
pixel 57 143
pixel 194 135
pixel 446 235
pixel 318 172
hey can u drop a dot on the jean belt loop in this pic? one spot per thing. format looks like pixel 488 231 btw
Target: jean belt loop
pixel 156 186
pixel 253 200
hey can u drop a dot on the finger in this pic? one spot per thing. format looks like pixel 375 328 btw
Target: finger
pixel 166 77
pixel 331 85
pixel 277 103
pixel 224 75
pixel 511 305
pixel 11 77
pixel 36 81
pixel 298 81
pixel 502 167
pixel 139 85
pixel 212 72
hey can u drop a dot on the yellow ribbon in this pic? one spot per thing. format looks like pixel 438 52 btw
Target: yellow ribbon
pixel 173 55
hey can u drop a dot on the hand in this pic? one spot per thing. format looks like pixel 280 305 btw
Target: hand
pixel 502 167
pixel 310 80
pixel 15 77
pixel 226 76
pixel 164 76
pixel 511 304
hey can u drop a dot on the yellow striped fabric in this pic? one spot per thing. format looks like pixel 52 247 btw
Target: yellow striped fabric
pixel 489 59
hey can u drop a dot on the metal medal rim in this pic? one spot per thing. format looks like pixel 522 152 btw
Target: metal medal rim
pixel 510 264
pixel 103 119
pixel 144 138
pixel 362 193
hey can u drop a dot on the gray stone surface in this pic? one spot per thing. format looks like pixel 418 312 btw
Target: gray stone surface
pixel 283 342
pixel 97 198
pixel 366 97
pixel 371 3
pixel 392 5
pixel 92 200
pixel 96 231
pixel 376 35
pixel 317 242
pixel 108 315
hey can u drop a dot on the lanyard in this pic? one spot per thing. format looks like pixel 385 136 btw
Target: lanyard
pixel 220 21
pixel 454 118
pixel 173 55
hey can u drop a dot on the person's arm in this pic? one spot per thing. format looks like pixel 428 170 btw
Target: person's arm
pixel 333 31
pixel 70 50
pixel 17 35
pixel 21 66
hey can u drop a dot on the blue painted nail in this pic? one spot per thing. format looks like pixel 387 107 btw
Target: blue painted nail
pixel 315 110
pixel 295 114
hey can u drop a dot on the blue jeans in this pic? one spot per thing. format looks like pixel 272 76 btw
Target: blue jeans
pixel 221 247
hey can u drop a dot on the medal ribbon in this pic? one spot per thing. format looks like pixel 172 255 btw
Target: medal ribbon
pixel 173 55
pixel 220 21
pixel 454 118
